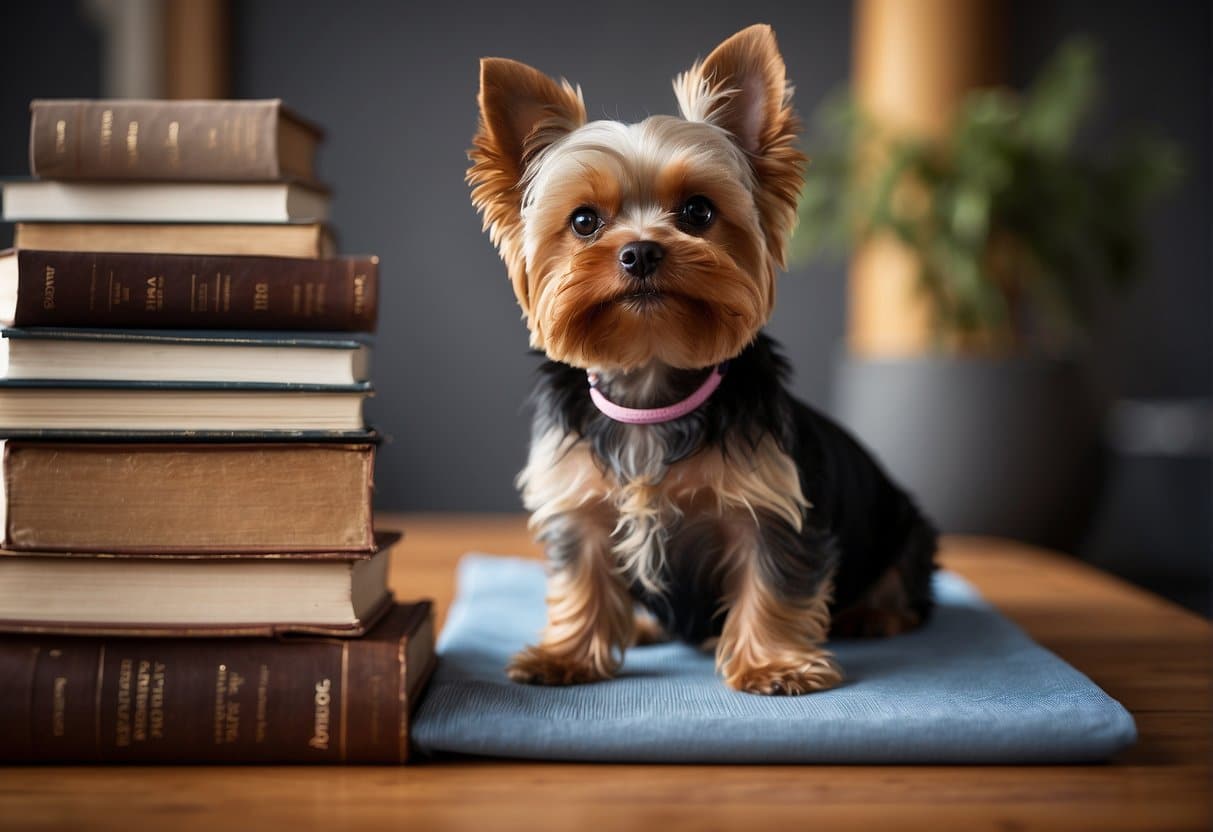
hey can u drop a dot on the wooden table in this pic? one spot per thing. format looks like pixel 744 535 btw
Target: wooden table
pixel 1149 654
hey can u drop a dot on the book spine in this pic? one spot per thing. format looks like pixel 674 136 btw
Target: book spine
pixel 144 497
pixel 202 701
pixel 181 291
pixel 199 141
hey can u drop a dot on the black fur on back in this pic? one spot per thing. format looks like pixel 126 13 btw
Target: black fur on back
pixel 859 522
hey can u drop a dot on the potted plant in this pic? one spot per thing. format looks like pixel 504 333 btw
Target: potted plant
pixel 1013 230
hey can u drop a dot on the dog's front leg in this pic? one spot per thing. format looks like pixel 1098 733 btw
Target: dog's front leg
pixel 590 613
pixel 778 611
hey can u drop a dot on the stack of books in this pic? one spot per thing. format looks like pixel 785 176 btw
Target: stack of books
pixel 189 569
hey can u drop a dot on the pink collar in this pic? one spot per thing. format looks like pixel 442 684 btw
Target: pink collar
pixel 655 415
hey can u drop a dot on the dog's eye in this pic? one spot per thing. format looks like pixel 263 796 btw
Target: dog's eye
pixel 585 222
pixel 697 213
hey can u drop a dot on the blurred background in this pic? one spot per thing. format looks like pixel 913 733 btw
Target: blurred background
pixel 999 368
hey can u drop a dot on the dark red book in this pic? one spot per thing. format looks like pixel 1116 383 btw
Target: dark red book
pixel 187 291
pixel 221 700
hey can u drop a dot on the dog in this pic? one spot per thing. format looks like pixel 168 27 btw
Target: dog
pixel 677 486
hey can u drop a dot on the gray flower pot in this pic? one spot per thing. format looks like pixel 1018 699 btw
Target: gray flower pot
pixel 1003 446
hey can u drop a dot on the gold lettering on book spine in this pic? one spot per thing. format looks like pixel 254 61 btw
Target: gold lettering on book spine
pixel 132 144
pixel 48 287
pixel 143 687
pixel 220 704
pixel 231 716
pixel 263 704
pixel 261 297
pixel 122 722
pixel 107 135
pixel 156 702
pixel 322 700
pixel 171 143
pixel 153 299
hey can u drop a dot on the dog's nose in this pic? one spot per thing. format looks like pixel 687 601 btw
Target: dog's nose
pixel 640 259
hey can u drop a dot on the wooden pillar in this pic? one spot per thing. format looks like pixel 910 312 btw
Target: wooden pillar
pixel 197 47
pixel 914 61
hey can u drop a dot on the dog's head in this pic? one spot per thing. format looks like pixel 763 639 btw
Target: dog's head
pixel 633 243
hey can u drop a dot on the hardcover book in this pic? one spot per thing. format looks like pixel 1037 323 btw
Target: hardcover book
pixel 179 594
pixel 162 139
pixel 224 202
pixel 29 404
pixel 184 356
pixel 140 497
pixel 183 291
pixel 254 240
pixel 234 700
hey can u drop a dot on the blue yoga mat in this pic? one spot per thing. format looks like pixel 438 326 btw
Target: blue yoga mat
pixel 970 687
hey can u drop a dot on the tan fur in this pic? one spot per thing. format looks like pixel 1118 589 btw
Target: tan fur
pixel 590 613
pixel 590 619
pixel 770 645
pixel 521 111
pixel 742 87
pixel 716 288
pixel 535 161
pixel 747 483
pixel 561 478
pixel 767 645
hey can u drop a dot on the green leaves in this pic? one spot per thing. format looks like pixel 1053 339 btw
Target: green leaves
pixel 1012 225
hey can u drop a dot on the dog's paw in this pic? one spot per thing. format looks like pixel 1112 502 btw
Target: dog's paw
pixel 817 671
pixel 537 666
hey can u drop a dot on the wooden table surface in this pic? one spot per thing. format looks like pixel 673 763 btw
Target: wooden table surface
pixel 1149 654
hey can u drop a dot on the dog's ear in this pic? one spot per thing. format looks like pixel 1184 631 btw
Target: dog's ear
pixel 522 111
pixel 742 87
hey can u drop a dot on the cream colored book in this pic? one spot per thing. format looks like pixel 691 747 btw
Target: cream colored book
pixel 223 202
pixel 309 240
pixel 172 407
pixel 183 356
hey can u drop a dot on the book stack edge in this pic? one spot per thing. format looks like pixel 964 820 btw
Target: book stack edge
pixel 189 569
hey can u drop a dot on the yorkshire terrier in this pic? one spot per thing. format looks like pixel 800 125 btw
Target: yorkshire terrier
pixel 678 487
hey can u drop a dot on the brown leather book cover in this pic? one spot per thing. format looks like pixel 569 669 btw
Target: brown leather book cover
pixel 187 291
pixel 226 239
pixel 207 498
pixel 235 700
pixel 223 141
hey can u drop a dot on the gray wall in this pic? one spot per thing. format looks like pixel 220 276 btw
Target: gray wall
pixel 1156 340
pixel 396 86
pixel 51 51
